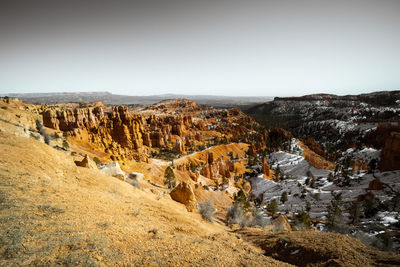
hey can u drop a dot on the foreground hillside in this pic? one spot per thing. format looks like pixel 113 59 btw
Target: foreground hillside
pixel 53 212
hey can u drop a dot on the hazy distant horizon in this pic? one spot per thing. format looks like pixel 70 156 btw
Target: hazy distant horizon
pixel 221 47
pixel 174 94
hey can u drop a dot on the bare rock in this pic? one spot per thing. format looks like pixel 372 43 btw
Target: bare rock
pixel 281 224
pixel 86 163
pixel 113 169
pixel 183 193
pixel 390 156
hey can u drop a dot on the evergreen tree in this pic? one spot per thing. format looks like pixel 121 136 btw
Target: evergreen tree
pixel 272 206
pixel 370 205
pixel 308 207
pixel 302 220
pixel 355 212
pixel 284 197
pixel 169 177
pixel 312 184
pixel 335 214
pixel 277 172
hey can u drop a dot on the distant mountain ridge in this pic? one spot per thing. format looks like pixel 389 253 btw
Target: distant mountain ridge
pixel 382 98
pixel 115 99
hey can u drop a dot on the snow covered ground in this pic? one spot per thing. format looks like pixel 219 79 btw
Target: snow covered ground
pixel 295 169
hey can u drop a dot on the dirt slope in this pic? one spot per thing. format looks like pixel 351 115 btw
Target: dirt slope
pixel 52 212
pixel 308 248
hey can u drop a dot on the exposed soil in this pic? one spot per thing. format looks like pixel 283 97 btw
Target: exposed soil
pixel 53 212
pixel 309 248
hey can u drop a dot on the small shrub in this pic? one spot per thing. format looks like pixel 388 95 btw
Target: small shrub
pixel 56 136
pixel 259 219
pixel 39 125
pixel 385 242
pixel 205 187
pixel 65 144
pixel 207 210
pixel 73 153
pixel 135 183
pixel 97 161
pixel 302 221
pixel 46 137
pixel 193 167
pixel 235 215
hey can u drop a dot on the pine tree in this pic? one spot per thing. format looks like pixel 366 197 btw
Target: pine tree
pixel 308 207
pixel 169 177
pixel 335 214
pixel 277 172
pixel 284 197
pixel 370 205
pixel 272 206
pixel 355 212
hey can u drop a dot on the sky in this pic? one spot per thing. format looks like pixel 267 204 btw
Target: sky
pixel 210 47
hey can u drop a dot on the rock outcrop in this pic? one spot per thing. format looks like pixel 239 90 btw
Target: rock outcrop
pixel 178 126
pixel 219 167
pixel 183 193
pixel 113 169
pixel 281 224
pixel 316 160
pixel 265 167
pixel 136 176
pixel 375 184
pixel 86 163
pixel 390 156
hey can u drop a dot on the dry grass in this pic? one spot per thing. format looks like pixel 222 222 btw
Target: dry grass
pixel 53 212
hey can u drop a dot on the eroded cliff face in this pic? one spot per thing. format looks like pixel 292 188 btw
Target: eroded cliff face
pixel 390 156
pixel 116 132
pixel 178 125
pixel 219 167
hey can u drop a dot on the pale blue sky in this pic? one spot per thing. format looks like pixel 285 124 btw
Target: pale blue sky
pixel 222 47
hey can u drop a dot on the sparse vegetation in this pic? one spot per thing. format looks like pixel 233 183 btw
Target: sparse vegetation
pixel 236 215
pixel 169 177
pixel 241 199
pixel 97 161
pixel 370 205
pixel 284 197
pixel 259 219
pixel 335 214
pixel 42 131
pixel 65 144
pixel 355 212
pixel 302 221
pixel 273 206
pixel 207 210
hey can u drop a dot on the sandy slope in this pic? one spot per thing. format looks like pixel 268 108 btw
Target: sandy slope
pixel 53 212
